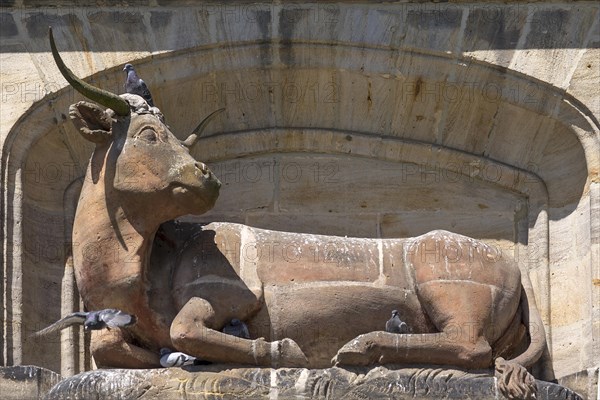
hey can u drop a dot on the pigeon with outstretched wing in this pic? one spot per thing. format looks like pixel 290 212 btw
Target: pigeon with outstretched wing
pixel 136 85
pixel 92 320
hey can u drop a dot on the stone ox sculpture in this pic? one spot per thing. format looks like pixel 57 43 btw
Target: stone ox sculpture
pixel 308 300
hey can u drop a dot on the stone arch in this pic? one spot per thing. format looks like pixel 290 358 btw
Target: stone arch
pixel 378 105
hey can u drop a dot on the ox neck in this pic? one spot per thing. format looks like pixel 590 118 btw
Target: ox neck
pixel 128 232
pixel 113 242
pixel 115 275
pixel 112 246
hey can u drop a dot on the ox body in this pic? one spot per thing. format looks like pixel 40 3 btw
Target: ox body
pixel 324 291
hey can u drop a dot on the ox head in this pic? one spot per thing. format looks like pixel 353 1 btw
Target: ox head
pixel 137 157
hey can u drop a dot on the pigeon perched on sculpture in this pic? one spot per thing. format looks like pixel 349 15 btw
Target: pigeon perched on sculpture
pixel 92 320
pixel 136 85
pixel 237 328
pixel 170 358
pixel 395 324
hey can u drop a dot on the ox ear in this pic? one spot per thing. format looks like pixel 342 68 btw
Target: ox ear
pixel 93 122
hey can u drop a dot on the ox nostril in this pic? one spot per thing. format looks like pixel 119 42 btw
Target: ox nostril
pixel 203 168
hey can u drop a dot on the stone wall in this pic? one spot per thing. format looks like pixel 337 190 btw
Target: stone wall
pixel 370 120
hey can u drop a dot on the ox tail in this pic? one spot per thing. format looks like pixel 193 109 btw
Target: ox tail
pixel 514 382
pixel 535 327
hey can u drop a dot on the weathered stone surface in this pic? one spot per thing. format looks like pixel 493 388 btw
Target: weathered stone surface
pixel 451 89
pixel 583 382
pixel 214 382
pixel 26 382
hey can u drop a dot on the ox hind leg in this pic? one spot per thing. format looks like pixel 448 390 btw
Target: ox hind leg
pixel 460 314
pixel 192 333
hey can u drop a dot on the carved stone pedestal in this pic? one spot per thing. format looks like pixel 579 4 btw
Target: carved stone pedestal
pixel 219 382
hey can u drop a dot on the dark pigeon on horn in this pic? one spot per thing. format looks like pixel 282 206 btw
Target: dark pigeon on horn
pixel 93 320
pixel 136 85
pixel 395 325
pixel 237 328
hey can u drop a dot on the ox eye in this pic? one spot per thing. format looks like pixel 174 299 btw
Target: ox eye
pixel 148 135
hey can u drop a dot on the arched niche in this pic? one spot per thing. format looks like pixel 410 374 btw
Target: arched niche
pixel 344 140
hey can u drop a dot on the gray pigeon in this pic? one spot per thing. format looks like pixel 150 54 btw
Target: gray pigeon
pixel 170 358
pixel 395 325
pixel 237 328
pixel 135 85
pixel 93 320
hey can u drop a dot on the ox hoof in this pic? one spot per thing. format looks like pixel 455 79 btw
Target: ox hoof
pixel 290 354
pixel 352 354
pixel 514 382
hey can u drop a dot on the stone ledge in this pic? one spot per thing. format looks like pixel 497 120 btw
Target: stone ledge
pixel 217 382
pixel 26 382
pixel 584 382
pixel 173 3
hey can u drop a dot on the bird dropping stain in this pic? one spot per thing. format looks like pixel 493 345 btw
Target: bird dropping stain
pixel 369 99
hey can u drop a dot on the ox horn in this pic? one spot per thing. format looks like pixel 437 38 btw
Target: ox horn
pixel 102 97
pixel 189 142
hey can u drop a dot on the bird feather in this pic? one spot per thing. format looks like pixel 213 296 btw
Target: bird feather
pixel 117 318
pixel 71 319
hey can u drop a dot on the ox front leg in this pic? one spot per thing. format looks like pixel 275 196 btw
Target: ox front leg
pixel 191 334
pixel 111 348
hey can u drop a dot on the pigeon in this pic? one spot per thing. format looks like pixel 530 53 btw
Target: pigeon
pixel 92 320
pixel 237 328
pixel 135 85
pixel 395 325
pixel 170 358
